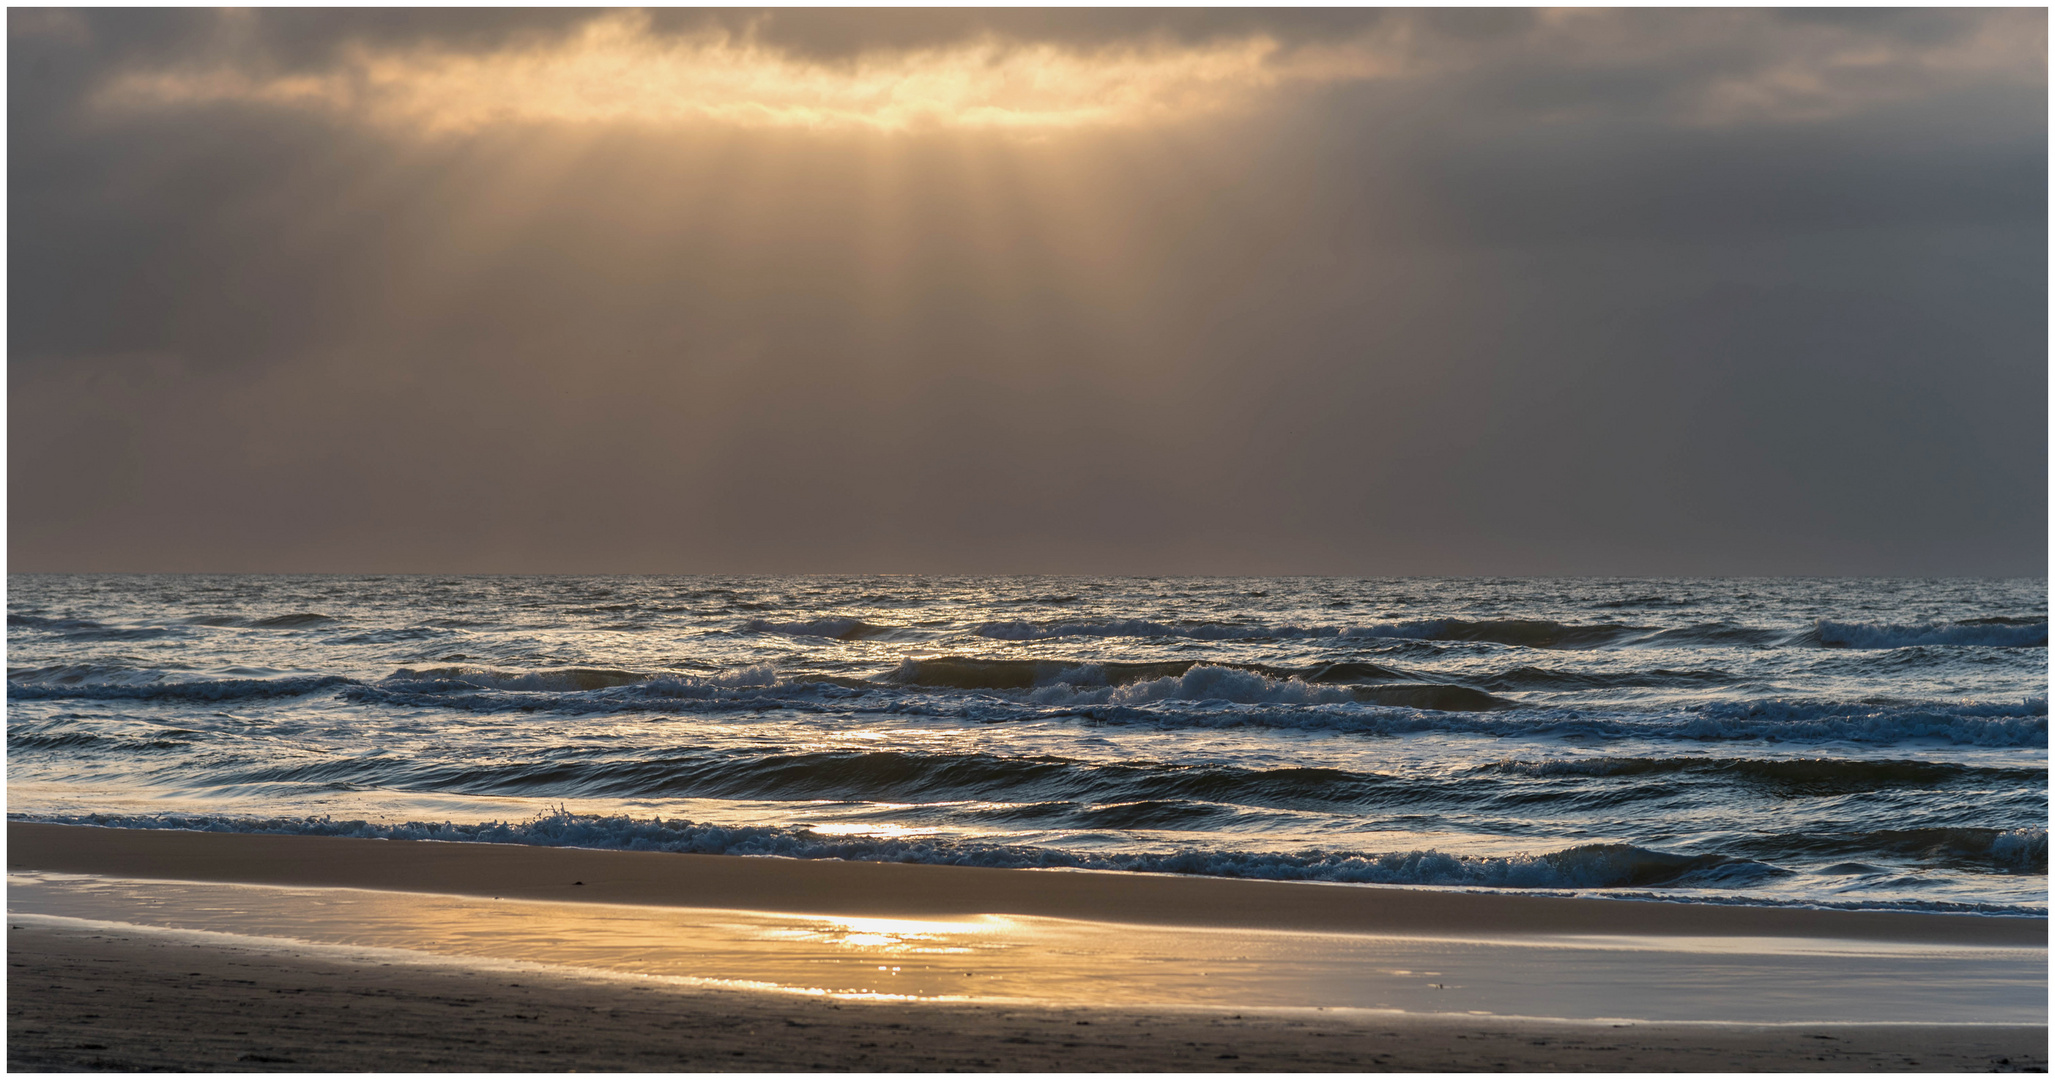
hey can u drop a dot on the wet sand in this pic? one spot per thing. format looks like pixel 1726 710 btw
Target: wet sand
pixel 126 997
pixel 81 998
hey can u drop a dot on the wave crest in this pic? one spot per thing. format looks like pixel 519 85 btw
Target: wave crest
pixel 106 682
pixel 1527 633
pixel 1530 633
pixel 835 629
pixel 1588 866
pixel 1836 774
pixel 1985 632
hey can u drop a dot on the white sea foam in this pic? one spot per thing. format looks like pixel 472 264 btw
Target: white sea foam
pixel 1202 682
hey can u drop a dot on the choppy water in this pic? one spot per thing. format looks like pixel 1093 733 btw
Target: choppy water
pixel 1875 743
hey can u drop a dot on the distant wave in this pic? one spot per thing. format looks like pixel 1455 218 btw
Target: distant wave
pixel 39 622
pixel 1853 774
pixel 551 680
pixel 1525 633
pixel 1213 682
pixel 1987 632
pixel 1059 683
pixel 18 741
pixel 1199 696
pixel 977 673
pixel 569 689
pixel 1531 633
pixel 1588 866
pixel 89 630
pixel 398 634
pixel 99 681
pixel 1056 792
pixel 1027 631
pixel 2025 724
pixel 1528 677
pixel 980 673
pixel 290 621
pixel 836 629
pixel 1052 792
pixel 293 621
pixel 2002 850
pixel 1715 634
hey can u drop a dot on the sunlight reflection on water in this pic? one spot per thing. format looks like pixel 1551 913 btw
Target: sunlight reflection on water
pixel 1016 958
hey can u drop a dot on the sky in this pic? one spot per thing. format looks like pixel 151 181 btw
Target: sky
pixel 1358 292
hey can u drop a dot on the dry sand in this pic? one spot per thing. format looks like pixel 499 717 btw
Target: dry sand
pixel 133 999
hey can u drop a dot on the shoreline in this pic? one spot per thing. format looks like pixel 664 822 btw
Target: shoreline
pixel 908 890
pixel 126 990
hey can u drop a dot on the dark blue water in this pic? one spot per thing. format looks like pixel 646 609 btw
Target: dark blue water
pixel 1864 742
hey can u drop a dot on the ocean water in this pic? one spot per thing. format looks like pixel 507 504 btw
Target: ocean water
pixel 1834 742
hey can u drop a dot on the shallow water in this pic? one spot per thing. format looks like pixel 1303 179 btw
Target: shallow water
pixel 1860 742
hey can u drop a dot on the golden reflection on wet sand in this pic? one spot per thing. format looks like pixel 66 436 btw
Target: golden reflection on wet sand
pixel 1028 959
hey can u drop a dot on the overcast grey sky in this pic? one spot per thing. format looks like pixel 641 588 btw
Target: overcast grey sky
pixel 1440 292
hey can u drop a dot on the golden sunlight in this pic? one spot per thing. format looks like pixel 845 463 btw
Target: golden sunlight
pixel 615 69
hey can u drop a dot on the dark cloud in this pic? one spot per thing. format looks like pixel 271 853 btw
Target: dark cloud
pixel 1516 313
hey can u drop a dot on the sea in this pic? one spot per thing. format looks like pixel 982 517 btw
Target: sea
pixel 1840 742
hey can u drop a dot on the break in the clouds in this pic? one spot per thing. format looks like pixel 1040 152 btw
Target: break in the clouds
pixel 620 67
pixel 1153 291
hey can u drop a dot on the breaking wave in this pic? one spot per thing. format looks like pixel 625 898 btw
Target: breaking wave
pixel 99 681
pixel 1584 866
pixel 1588 866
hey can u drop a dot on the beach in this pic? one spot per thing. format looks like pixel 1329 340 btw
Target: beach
pixel 320 984
pixel 1026 540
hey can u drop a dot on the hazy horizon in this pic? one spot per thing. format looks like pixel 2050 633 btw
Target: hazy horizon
pixel 1637 293
pixel 1071 575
